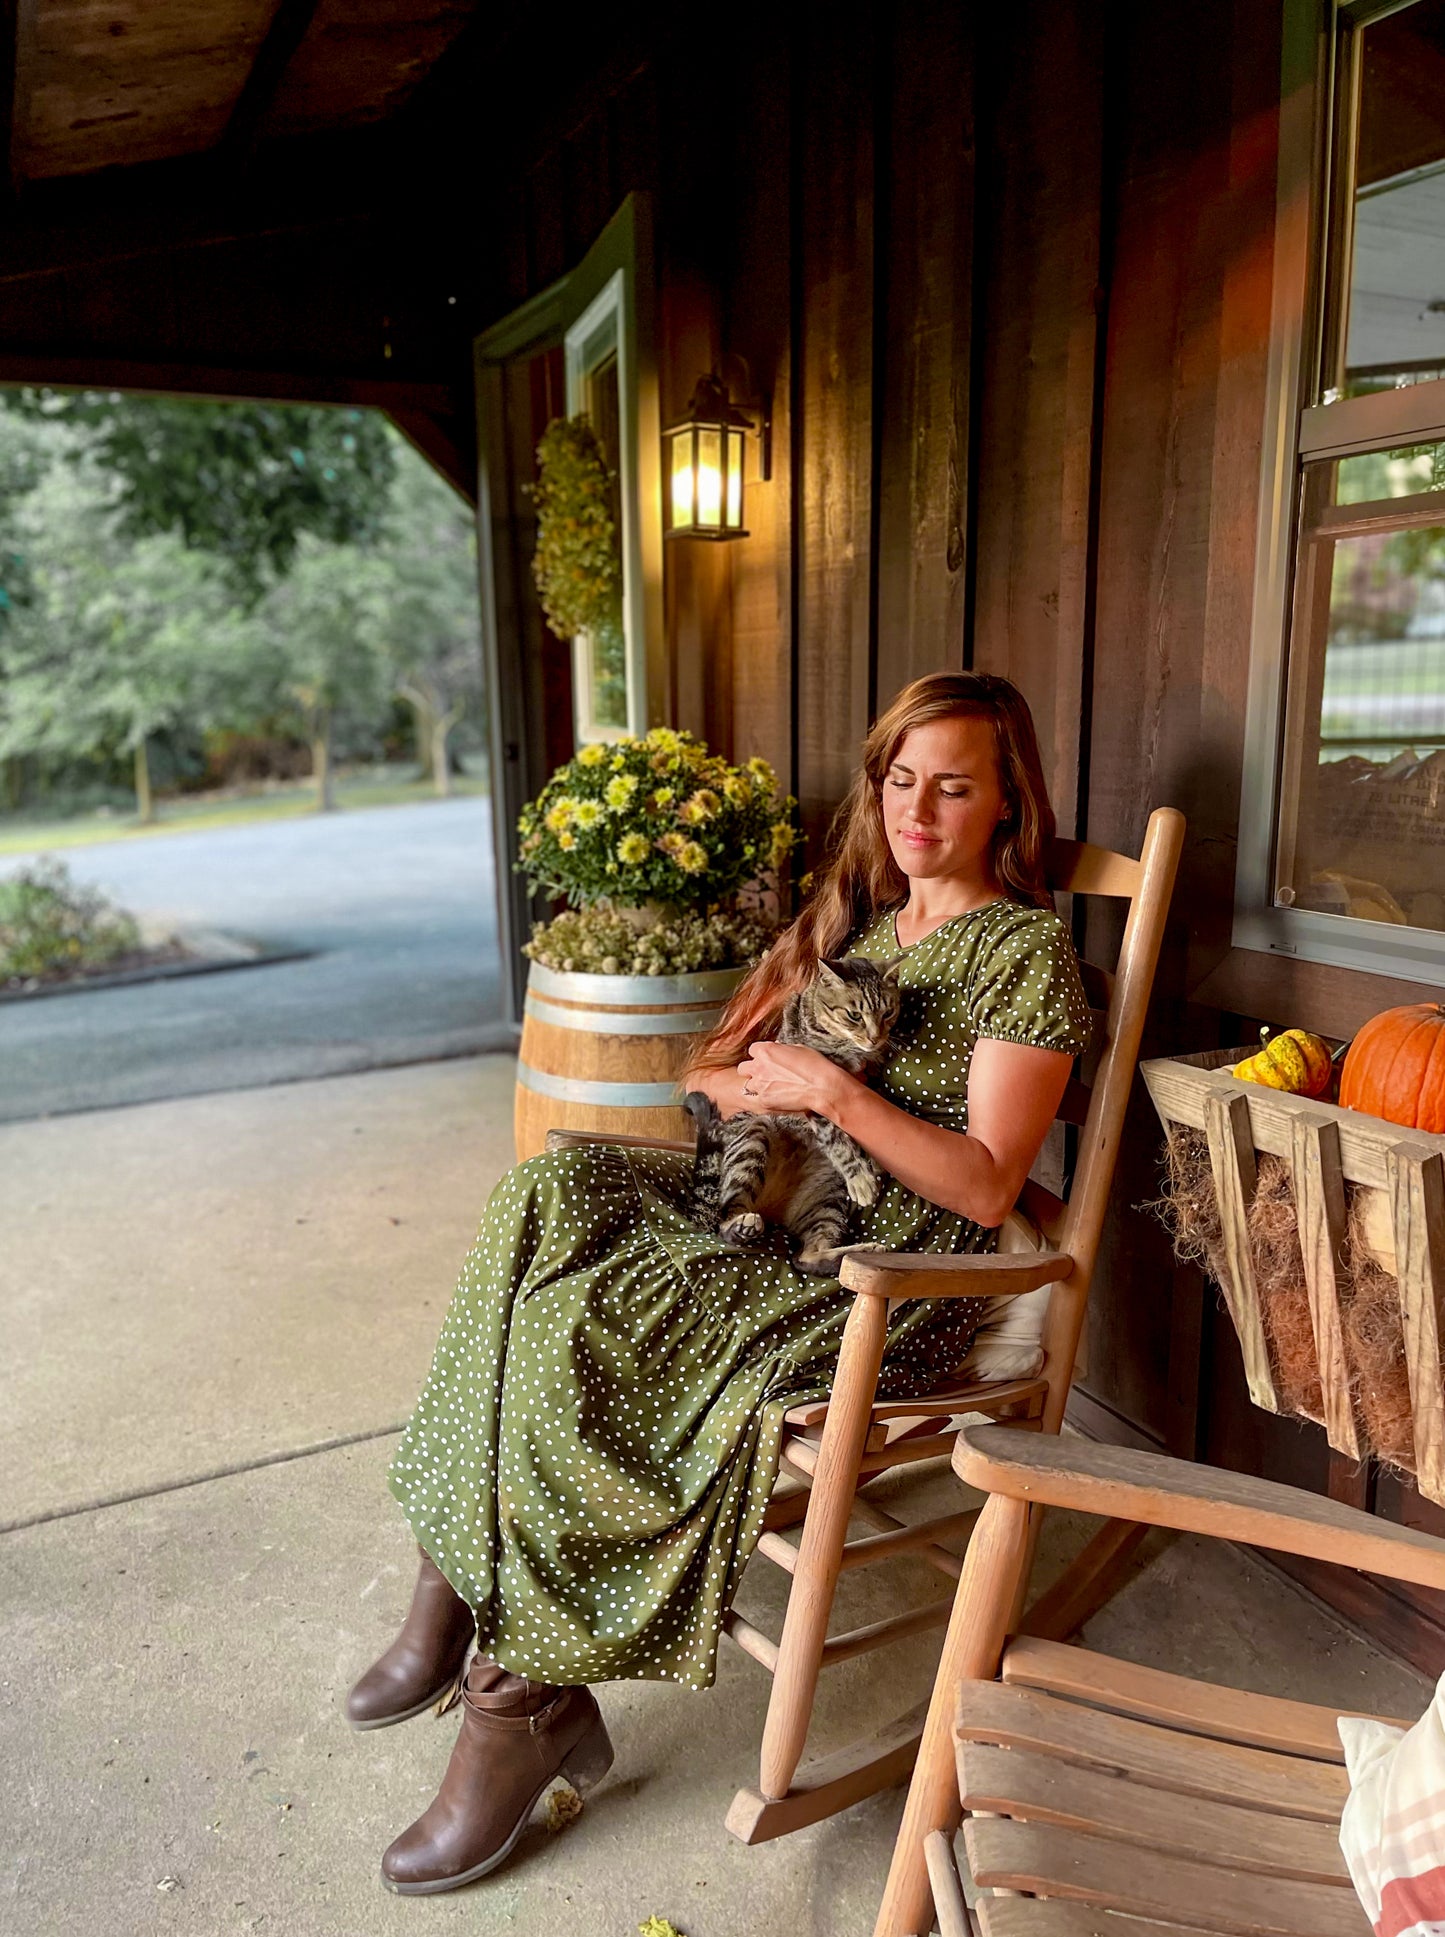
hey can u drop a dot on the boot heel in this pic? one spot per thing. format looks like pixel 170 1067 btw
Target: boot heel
pixel 589 1762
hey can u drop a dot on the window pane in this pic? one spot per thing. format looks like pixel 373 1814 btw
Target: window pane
pixel 1396 312
pixel 1364 822
pixel 606 648
pixel 1390 474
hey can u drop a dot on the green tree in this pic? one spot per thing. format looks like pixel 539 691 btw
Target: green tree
pixel 432 626
pixel 244 481
pixel 326 622
pixel 118 640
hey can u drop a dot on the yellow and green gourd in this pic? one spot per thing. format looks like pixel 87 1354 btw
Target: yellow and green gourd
pixel 1296 1061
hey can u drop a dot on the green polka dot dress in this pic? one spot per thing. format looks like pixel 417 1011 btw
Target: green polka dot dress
pixel 592 1454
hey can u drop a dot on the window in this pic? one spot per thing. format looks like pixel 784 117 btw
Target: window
pixel 1343 844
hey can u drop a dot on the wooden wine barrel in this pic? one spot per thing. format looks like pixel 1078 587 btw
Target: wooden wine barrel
pixel 604 1052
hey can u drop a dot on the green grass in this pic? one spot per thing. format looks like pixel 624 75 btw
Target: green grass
pixel 198 813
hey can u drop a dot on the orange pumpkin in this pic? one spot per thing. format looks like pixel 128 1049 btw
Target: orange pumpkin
pixel 1395 1067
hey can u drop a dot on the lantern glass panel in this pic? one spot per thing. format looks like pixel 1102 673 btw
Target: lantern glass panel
pixel 735 481
pixel 709 476
pixel 682 441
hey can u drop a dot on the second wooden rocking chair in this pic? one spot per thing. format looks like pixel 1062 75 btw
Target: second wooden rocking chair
pixel 1110 1799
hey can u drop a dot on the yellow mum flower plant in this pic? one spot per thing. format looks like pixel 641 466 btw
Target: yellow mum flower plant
pixel 692 864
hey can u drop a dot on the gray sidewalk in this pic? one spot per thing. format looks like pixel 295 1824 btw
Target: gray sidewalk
pixel 217 1311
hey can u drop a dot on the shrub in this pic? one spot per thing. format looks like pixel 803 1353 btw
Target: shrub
pixel 51 926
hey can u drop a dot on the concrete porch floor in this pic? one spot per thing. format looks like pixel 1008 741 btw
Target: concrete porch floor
pixel 217 1312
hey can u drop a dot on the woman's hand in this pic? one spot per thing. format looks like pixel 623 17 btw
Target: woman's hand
pixel 779 1077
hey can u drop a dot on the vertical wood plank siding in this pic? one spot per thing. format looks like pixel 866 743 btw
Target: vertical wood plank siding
pixel 922 335
pixel 1179 469
pixel 834 107
pixel 1040 181
pixel 757 324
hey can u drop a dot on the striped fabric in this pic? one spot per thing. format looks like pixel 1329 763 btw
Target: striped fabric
pixel 1393 1827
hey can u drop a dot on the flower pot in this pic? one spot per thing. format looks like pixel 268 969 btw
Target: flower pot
pixel 604 1052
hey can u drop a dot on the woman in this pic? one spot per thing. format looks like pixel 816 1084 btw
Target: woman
pixel 587 1469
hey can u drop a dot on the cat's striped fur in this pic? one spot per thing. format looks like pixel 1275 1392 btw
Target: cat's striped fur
pixel 802 1172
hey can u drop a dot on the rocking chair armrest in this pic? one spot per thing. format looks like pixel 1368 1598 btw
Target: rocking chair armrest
pixel 928 1274
pixel 1153 1490
pixel 580 1139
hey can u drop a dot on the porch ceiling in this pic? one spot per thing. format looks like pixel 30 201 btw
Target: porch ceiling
pixel 101 84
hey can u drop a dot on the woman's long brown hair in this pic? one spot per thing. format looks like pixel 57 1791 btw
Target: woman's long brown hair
pixel 859 877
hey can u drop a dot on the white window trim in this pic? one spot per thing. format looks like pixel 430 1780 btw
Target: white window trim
pixel 610 302
pixel 1379 948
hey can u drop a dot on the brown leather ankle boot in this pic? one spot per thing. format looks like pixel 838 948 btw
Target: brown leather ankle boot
pixel 424 1663
pixel 516 1737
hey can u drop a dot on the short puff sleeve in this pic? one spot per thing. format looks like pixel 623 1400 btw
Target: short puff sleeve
pixel 1027 988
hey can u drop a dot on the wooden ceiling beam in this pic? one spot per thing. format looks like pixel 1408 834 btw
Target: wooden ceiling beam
pixel 436 440
pixel 159 207
pixel 290 25
pixel 402 398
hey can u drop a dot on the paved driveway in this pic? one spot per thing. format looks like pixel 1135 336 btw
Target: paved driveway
pixel 397 904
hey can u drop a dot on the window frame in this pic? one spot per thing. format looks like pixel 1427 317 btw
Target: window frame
pixel 1319 105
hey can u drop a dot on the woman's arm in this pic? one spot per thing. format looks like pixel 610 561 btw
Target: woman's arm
pixel 1014 1091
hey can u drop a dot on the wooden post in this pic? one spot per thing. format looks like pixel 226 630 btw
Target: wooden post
pixel 1417 1196
pixel 1231 1159
pixel 1319 1195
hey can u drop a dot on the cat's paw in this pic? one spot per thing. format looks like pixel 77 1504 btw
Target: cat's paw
pixel 823 1262
pixel 864 1187
pixel 746 1228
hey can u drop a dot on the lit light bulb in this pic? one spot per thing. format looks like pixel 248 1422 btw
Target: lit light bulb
pixel 709 494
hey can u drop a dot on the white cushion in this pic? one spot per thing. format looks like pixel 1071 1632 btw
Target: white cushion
pixel 1009 1341
pixel 1392 1831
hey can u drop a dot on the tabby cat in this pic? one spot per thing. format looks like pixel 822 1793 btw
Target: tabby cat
pixel 800 1171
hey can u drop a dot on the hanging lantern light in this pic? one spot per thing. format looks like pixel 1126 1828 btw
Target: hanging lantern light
pixel 703 465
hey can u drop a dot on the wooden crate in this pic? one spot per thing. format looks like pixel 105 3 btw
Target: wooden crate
pixel 1400 1176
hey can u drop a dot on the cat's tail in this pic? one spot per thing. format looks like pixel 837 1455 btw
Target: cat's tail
pixel 707 1163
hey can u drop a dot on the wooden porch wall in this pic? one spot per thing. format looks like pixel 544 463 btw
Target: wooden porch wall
pixel 1006 278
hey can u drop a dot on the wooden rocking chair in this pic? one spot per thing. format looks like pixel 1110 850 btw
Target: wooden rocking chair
pixel 1112 1798
pixel 833 1448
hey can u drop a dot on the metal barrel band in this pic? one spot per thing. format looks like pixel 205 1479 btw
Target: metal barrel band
pixel 613 1022
pixel 614 1096
pixel 633 991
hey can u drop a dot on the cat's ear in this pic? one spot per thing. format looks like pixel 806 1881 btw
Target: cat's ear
pixel 893 970
pixel 829 976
